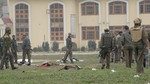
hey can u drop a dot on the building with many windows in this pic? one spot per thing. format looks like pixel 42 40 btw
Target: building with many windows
pixel 52 20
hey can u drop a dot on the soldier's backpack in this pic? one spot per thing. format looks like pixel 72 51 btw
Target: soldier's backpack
pixel 136 34
pixel 107 38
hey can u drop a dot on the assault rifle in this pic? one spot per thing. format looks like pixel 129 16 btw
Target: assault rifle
pixel 102 51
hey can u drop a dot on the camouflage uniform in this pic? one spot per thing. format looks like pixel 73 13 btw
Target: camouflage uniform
pixel 26 47
pixel 106 45
pixel 69 49
pixel 140 42
pixel 7 53
pixel 127 46
pixel 1 48
pixel 118 48
pixel 14 48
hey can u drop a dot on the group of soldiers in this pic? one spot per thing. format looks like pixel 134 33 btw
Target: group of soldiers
pixel 133 41
pixel 8 50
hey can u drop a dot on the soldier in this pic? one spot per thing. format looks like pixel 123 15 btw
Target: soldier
pixel 14 48
pixel 127 46
pixel 26 47
pixel 1 48
pixel 118 47
pixel 7 50
pixel 69 49
pixel 140 42
pixel 106 45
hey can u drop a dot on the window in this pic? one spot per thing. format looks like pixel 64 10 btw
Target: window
pixel 90 33
pixel 144 6
pixel 89 8
pixel 146 27
pixel 117 7
pixel 21 20
pixel 115 29
pixel 56 18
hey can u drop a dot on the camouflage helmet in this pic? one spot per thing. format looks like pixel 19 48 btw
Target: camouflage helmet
pixel 7 28
pixel 69 34
pixel 106 30
pixel 137 21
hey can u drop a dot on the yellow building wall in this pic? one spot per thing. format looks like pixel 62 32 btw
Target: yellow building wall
pixel 89 20
pixel 117 19
pixel 145 19
pixel 132 9
pixel 39 19
pixel 103 23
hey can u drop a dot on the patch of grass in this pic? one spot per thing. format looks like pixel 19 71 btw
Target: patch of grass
pixel 52 75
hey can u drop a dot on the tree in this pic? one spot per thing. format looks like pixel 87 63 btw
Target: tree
pixel 45 46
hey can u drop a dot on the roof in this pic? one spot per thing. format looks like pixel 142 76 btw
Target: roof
pixel 7 21
pixel 1 21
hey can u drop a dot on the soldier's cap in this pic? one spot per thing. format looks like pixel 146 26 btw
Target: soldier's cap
pixel 137 21
pixel 7 28
pixel 69 34
pixel 106 30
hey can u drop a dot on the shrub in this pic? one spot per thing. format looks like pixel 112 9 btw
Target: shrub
pixel 55 46
pixel 63 48
pixel 91 45
pixel 38 49
pixel 82 48
pixel 74 46
pixel 45 46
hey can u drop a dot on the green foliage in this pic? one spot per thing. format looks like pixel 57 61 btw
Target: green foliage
pixel 38 49
pixel 92 45
pixel 74 46
pixel 55 46
pixel 52 75
pixel 63 48
pixel 82 48
pixel 45 46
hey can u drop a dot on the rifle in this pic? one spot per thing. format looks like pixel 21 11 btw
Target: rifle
pixel 102 52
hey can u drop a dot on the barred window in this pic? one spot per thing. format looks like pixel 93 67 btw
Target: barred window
pixel 21 20
pixel 146 27
pixel 115 29
pixel 117 7
pixel 56 18
pixel 144 6
pixel 89 8
pixel 90 33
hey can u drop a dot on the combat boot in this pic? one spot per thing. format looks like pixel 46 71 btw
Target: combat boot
pixel 64 61
pixel 107 67
pixel 14 68
pixel 71 61
pixel 103 66
pixel 28 64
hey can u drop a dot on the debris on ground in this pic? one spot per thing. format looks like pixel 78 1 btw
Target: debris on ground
pixel 68 67
pixel 136 76
pixel 113 70
pixel 94 69
pixel 48 63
